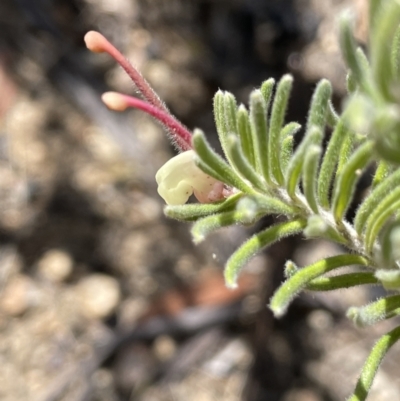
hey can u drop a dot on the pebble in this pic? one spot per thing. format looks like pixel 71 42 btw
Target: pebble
pixel 164 347
pixel 55 265
pixel 17 296
pixel 98 295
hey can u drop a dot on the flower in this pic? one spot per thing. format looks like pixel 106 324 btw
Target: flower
pixel 179 178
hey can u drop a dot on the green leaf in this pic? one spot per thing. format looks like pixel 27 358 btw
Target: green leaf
pixel 374 6
pixel 286 152
pixel 289 129
pixel 382 309
pixel 347 178
pixel 277 119
pixel 384 210
pixel 209 224
pixel 351 82
pixel 349 51
pixel 382 171
pixel 255 244
pixel 269 205
pixel 320 103
pixel 243 122
pixel 266 90
pixel 258 123
pixel 395 55
pixel 374 198
pixel 299 281
pixel 387 137
pixel 372 364
pixel 385 27
pixel 389 253
pixel 290 269
pixel 241 165
pixel 342 281
pixel 312 137
pixel 332 117
pixel 219 116
pixel 194 211
pixel 287 142
pixel 211 163
pixel 225 116
pixel 230 109
pixel 329 162
pixel 310 176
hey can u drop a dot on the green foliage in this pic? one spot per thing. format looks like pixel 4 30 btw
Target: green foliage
pixel 314 187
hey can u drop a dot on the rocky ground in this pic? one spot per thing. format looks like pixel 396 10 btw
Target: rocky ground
pixel 103 298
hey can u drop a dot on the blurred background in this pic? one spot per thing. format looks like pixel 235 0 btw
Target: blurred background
pixel 101 297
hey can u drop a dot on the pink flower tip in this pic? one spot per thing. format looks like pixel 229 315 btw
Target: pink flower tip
pixel 96 42
pixel 115 101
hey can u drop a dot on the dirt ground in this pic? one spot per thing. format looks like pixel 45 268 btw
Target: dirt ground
pixel 101 297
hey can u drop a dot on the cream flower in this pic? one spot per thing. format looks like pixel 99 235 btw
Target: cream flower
pixel 179 178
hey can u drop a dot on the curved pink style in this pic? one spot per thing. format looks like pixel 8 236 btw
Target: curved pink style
pixel 119 102
pixel 179 134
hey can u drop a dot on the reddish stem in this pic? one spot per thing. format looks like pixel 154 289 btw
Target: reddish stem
pixel 180 134
pixel 98 43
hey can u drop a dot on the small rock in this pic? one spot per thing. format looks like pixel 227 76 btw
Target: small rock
pixel 17 296
pixel 164 347
pixel 99 295
pixel 55 265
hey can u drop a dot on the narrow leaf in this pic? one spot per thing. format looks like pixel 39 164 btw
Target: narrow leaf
pixel 214 162
pixel 382 309
pixel 266 90
pixel 385 27
pixel 225 118
pixel 299 281
pixel 219 116
pixel 374 198
pixel 349 51
pixel 255 244
pixel 395 56
pixel 241 165
pixel 319 105
pixel 332 117
pixel 329 162
pixel 342 281
pixel 230 110
pixel 269 205
pixel 382 171
pixel 313 136
pixel 346 180
pixel 277 119
pixel 290 269
pixel 286 152
pixel 258 123
pixel 244 130
pixel 372 364
pixel 209 224
pixel 384 210
pixel 310 176
pixel 374 6
pixel 194 211
pixel 289 129
pixel 390 244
